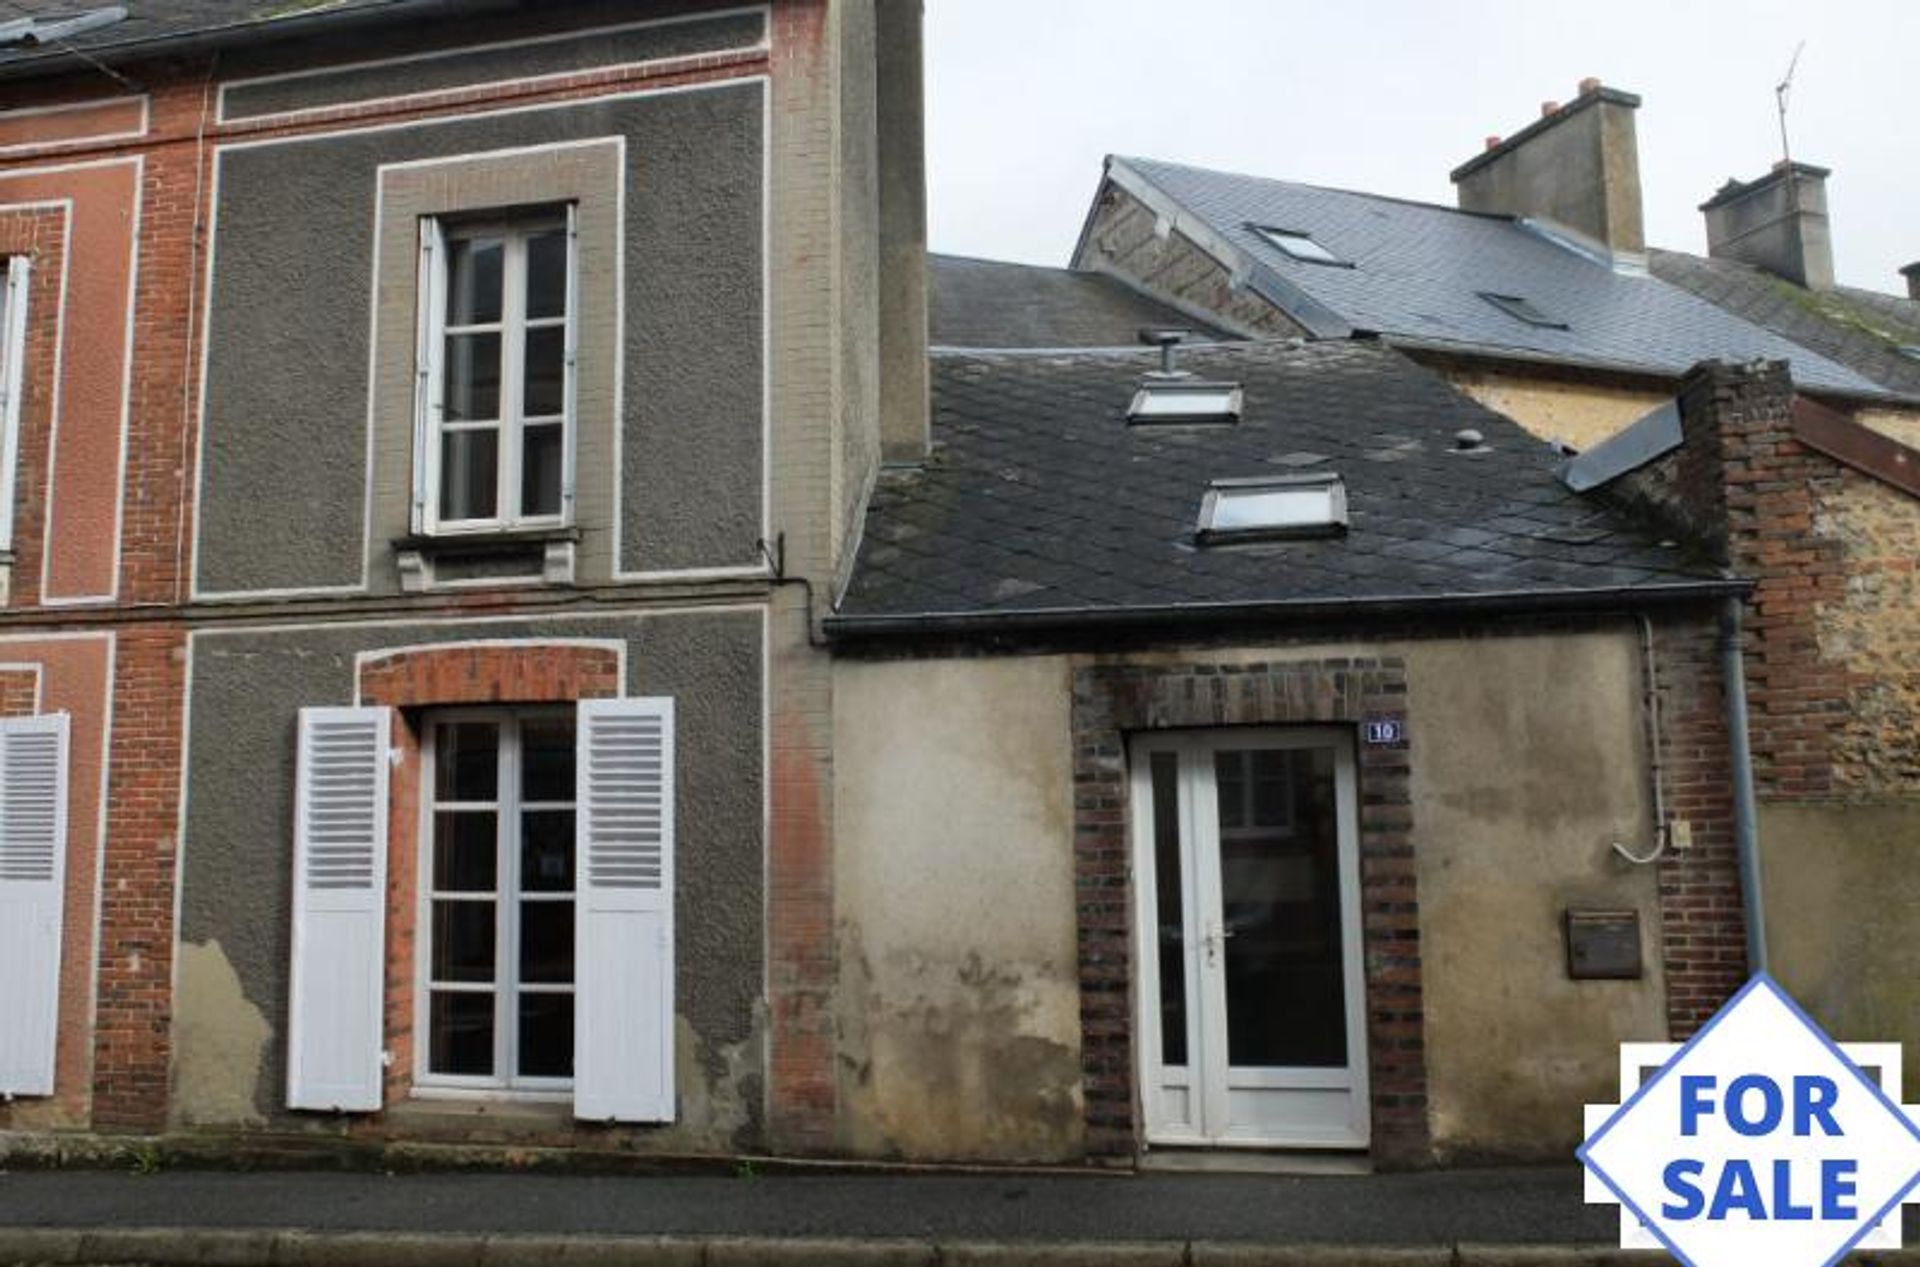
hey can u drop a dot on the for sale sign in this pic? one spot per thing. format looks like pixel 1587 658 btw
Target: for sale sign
pixel 1760 1141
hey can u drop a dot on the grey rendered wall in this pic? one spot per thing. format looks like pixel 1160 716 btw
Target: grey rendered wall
pixel 236 860
pixel 521 60
pixel 284 483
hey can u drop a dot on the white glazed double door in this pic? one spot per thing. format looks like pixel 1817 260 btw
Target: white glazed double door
pixel 1246 864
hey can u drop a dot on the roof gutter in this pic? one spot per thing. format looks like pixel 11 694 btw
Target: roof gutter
pixel 1302 611
pixel 60 58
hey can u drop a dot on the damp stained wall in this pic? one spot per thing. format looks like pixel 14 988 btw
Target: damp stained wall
pixel 959 1002
pixel 237 859
pixel 954 869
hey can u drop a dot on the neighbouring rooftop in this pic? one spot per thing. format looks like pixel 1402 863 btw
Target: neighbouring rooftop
pixel 975 303
pixel 1424 275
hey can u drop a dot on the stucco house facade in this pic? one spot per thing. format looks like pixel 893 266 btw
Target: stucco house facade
pixel 432 435
pixel 513 639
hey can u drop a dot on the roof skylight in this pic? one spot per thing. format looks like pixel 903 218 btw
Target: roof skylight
pixel 1300 246
pixel 1172 399
pixel 1269 508
pixel 1521 308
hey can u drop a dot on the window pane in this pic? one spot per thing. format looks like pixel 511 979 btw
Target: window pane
pixel 466 761
pixel 1280 898
pixel 546 751
pixel 463 939
pixel 546 851
pixel 546 372
pixel 472 388
pixel 466 851
pixel 540 470
pixel 461 1034
pixel 473 280
pixel 546 1036
pixel 546 943
pixel 469 474
pixel 547 275
pixel 1171 915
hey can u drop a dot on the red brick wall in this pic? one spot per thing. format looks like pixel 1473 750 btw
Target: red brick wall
pixel 515 674
pixel 134 1017
pixel 1112 701
pixel 19 692
pixel 1702 922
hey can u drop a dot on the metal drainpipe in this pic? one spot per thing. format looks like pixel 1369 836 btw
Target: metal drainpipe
pixel 1746 827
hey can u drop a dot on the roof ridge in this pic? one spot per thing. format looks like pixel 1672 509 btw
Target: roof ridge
pixel 1397 199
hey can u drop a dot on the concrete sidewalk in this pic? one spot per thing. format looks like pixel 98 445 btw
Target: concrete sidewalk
pixel 1457 1219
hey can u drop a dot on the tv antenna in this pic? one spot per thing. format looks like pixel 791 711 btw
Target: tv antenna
pixel 1781 92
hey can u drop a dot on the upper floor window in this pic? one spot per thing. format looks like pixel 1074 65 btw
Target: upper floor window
pixel 498 336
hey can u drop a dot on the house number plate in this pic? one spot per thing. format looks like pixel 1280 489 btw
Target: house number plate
pixel 1384 732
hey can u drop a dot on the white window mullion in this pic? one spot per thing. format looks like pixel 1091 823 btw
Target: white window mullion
pixel 513 370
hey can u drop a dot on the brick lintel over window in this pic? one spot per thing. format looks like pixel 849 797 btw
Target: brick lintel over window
pixel 1111 701
pixel 517 673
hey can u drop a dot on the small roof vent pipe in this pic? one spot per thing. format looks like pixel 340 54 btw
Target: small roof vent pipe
pixel 1168 340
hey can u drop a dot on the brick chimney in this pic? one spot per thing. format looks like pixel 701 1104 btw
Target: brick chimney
pixel 1578 165
pixel 1912 273
pixel 1778 223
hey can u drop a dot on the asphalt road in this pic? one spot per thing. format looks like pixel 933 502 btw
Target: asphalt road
pixel 1540 1206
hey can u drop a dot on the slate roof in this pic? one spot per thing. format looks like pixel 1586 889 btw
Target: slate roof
pixel 1039 499
pixel 1418 270
pixel 989 304
pixel 1861 329
pixel 158 21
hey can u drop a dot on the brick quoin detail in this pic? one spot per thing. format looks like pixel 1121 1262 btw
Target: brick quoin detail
pixel 1112 701
pixel 1738 424
pixel 132 1035
pixel 540 673
pixel 1703 928
pixel 19 692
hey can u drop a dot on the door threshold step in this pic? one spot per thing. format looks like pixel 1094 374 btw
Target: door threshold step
pixel 1255 1161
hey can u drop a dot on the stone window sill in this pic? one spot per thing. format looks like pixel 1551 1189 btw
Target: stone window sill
pixel 513 556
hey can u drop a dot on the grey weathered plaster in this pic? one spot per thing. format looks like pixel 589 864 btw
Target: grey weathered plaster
pixel 283 490
pixel 237 851
pixel 520 60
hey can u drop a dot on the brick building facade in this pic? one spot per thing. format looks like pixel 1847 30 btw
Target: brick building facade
pixel 207 464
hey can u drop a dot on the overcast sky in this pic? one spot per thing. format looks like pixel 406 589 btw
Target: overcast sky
pixel 1024 97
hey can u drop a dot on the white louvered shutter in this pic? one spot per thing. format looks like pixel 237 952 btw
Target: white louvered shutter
pixel 33 849
pixel 339 908
pixel 623 1015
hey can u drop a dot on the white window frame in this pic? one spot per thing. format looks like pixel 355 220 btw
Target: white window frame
pixel 436 233
pixel 506 988
pixel 13 356
pixel 1289 243
pixel 1330 486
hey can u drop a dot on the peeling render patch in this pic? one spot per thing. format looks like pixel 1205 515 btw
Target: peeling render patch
pixel 958 1061
pixel 220 1043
